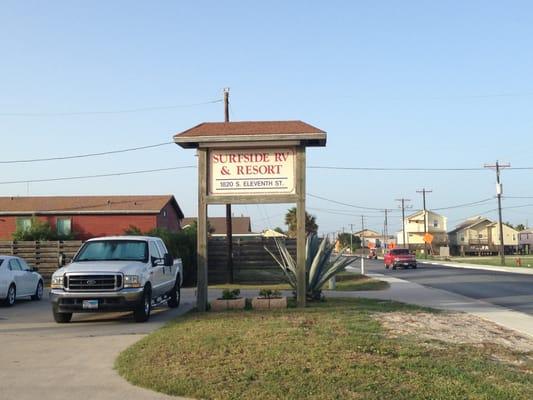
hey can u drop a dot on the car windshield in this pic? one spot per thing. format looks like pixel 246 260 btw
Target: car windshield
pixel 113 250
pixel 400 251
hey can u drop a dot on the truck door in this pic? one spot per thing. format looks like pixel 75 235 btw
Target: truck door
pixel 158 271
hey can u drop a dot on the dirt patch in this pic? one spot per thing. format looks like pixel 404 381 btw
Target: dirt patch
pixel 459 328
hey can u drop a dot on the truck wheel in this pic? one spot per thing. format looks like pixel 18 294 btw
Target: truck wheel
pixel 38 292
pixel 61 318
pixel 143 309
pixel 175 295
pixel 11 296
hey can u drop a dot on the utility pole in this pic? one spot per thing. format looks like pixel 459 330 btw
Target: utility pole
pixel 403 207
pixel 499 192
pixel 385 231
pixel 362 244
pixel 351 237
pixel 229 227
pixel 424 191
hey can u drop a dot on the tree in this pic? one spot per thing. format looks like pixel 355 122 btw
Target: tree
pixel 520 227
pixel 344 240
pixel 290 221
pixel 279 230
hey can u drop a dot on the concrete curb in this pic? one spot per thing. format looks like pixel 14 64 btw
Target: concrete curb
pixel 413 293
pixel 512 270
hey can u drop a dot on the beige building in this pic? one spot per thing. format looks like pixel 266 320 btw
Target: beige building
pixel 480 235
pixel 436 225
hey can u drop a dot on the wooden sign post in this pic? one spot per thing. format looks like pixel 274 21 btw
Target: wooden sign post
pixel 251 163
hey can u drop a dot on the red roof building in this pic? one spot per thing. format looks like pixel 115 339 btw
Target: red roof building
pixel 90 216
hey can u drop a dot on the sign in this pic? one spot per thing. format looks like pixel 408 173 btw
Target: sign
pixel 428 238
pixel 251 171
pixel 371 245
pixel 391 246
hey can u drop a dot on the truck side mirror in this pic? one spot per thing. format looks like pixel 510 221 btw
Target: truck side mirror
pixel 168 260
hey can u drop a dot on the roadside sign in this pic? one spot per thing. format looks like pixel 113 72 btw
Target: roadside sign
pixel 391 246
pixel 371 245
pixel 428 238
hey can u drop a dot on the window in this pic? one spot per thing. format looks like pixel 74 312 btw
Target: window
pixel 161 247
pixel 14 265
pixel 462 238
pixel 435 223
pixel 164 213
pixel 154 251
pixel 23 265
pixel 64 226
pixel 113 250
pixel 480 236
pixel 23 223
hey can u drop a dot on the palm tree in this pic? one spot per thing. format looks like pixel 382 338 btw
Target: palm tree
pixel 290 221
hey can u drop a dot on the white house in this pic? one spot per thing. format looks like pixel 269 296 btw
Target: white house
pixel 482 236
pixel 415 230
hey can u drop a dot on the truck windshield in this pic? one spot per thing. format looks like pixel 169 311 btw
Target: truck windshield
pixel 113 250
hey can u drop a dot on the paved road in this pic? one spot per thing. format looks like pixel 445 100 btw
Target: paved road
pixel 511 290
pixel 40 359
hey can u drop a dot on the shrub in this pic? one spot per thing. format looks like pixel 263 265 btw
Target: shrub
pixel 229 294
pixel 318 264
pixel 269 293
pixel 39 230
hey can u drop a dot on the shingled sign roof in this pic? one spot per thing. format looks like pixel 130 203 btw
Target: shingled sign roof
pixel 86 205
pixel 251 131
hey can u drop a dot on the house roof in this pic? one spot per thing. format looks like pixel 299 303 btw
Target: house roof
pixel 87 205
pixel 368 233
pixel 251 131
pixel 239 225
pixel 421 212
pixel 470 223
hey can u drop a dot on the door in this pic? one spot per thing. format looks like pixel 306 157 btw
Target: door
pixel 19 276
pixel 30 277
pixel 157 271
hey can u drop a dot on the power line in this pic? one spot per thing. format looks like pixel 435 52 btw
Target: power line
pixel 133 110
pixel 344 204
pixel 406 169
pixel 67 178
pixel 463 205
pixel 103 153
pixel 391 169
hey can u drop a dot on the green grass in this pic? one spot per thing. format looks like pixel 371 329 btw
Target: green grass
pixel 346 281
pixel 510 261
pixel 329 350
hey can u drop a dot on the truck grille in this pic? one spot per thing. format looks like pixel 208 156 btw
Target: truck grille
pixel 107 282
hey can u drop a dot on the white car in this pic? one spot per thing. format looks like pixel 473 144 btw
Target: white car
pixel 17 280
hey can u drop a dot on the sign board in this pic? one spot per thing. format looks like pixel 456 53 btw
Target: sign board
pixel 428 238
pixel 251 171
pixel 391 246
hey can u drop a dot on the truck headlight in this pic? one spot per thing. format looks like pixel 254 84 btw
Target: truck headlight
pixel 132 281
pixel 57 282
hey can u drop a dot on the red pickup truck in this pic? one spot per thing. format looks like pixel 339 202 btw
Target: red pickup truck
pixel 399 258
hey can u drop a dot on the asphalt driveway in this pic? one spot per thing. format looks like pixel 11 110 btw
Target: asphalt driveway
pixel 42 360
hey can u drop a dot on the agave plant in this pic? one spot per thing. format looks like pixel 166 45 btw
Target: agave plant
pixel 319 264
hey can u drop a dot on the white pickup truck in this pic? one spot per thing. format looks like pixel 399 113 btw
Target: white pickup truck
pixel 118 273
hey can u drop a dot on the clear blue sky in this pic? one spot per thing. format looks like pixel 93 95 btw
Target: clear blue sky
pixel 395 84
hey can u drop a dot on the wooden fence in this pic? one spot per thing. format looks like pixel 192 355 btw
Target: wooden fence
pixel 251 262
pixel 43 255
